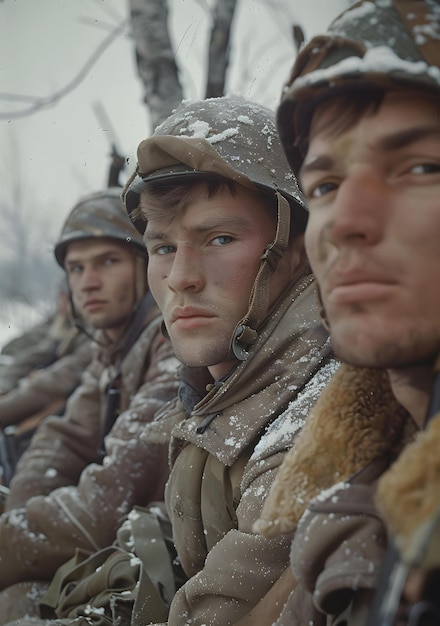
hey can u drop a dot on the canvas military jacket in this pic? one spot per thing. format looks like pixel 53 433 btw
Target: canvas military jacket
pixel 62 497
pixel 227 445
pixel 46 388
pixel 60 338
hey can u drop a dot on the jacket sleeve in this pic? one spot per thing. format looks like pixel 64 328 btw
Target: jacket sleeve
pixel 62 446
pixel 45 387
pixel 36 539
pixel 242 567
pixel 337 552
pixel 24 363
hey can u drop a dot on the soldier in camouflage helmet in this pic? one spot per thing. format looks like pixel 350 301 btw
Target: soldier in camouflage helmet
pixel 360 125
pixel 84 471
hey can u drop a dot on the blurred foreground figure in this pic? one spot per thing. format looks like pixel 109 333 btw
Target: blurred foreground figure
pixel 83 472
pixel 360 124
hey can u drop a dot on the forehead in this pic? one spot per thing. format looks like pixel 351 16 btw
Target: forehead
pixel 399 111
pixel 224 206
pixel 85 249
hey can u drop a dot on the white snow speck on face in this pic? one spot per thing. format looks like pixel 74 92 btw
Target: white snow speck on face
pixel 51 472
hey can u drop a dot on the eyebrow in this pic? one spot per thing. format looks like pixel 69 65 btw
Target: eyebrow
pixel 97 257
pixel 219 224
pixel 389 143
pixel 407 137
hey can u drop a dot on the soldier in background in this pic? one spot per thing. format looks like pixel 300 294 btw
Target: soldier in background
pixel 84 472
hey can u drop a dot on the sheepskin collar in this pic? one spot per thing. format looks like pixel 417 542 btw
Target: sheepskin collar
pixel 355 421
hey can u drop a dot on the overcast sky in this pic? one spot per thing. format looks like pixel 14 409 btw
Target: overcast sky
pixel 60 152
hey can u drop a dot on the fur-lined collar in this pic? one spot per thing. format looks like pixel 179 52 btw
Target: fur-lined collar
pixel 355 420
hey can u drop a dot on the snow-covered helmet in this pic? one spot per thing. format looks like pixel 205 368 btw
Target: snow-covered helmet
pixel 225 138
pixel 98 215
pixel 387 43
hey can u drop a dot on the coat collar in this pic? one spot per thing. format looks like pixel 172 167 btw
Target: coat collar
pixel 290 349
pixel 355 421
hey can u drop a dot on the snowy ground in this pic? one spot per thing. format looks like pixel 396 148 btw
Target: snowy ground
pixel 15 318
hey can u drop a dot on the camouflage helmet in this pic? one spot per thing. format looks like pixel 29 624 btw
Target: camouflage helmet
pixel 387 43
pixel 98 215
pixel 228 137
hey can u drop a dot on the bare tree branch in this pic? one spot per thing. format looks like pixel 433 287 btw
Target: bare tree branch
pixel 218 60
pixel 298 36
pixel 155 58
pixel 40 103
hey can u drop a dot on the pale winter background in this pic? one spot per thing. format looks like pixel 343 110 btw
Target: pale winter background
pixel 69 88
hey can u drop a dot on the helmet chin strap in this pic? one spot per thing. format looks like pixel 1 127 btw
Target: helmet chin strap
pixel 246 331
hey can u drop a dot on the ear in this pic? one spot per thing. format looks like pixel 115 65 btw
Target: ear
pixel 296 256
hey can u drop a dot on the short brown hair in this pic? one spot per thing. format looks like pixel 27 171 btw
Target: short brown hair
pixel 171 197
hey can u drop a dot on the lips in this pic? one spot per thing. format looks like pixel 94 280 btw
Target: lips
pixel 186 312
pixel 353 286
pixel 188 317
pixel 92 305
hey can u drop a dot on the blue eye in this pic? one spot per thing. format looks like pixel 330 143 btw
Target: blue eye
pixel 164 249
pixel 222 240
pixel 321 190
pixel 426 168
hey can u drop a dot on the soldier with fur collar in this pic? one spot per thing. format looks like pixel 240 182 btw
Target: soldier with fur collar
pixel 360 125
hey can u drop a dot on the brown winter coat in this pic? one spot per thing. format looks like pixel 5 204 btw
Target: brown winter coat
pixel 78 503
pixel 47 387
pixel 225 454
pixel 60 338
pixel 325 490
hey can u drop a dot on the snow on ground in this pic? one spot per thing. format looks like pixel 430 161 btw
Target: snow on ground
pixel 16 318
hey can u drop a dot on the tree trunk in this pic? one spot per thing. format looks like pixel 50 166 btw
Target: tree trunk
pixel 155 58
pixel 219 48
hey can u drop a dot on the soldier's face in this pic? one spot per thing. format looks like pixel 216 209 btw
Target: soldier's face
pixel 373 235
pixel 101 275
pixel 202 266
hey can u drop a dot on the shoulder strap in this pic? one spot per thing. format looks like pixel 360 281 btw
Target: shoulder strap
pixel 113 391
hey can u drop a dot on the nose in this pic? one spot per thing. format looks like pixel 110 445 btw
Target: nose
pixel 359 209
pixel 90 279
pixel 186 272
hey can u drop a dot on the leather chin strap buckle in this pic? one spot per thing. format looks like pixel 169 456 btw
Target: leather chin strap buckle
pixel 272 255
pixel 243 339
pixel 244 335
